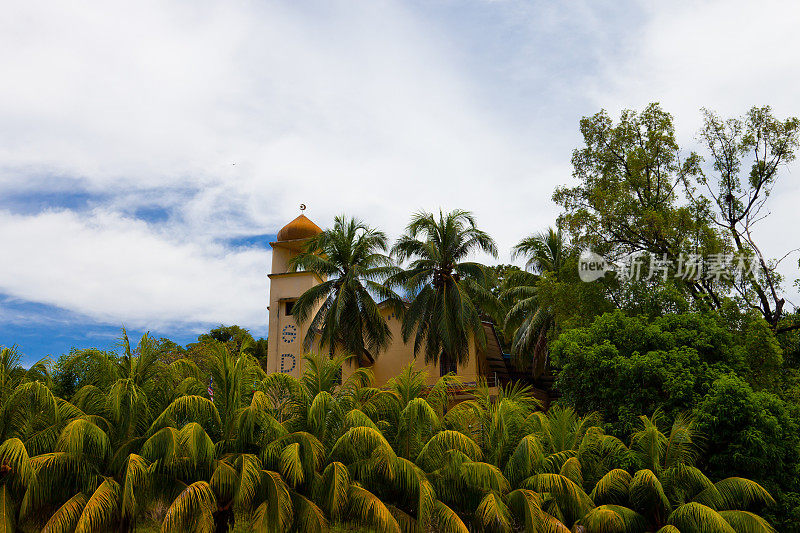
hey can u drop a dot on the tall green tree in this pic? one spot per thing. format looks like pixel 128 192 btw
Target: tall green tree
pixel 351 258
pixel 628 199
pixel 445 287
pixel 638 193
pixel 746 155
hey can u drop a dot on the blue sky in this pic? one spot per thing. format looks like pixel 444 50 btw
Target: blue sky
pixel 149 151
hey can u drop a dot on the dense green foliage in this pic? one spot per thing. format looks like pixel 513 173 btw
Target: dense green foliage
pixel 621 365
pixel 275 453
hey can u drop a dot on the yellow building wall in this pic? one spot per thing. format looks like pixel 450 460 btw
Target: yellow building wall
pixel 389 363
pixel 286 336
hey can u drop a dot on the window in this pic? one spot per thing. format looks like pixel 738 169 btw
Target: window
pixel 445 367
pixel 288 308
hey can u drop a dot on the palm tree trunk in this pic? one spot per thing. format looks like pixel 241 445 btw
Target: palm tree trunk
pixel 224 519
pixel 125 525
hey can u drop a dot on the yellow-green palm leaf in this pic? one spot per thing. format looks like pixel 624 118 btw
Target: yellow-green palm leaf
pixel 571 498
pixel 191 510
pixel 250 479
pixel 101 509
pixel 14 455
pixel 66 517
pixel 525 460
pixel 572 469
pixel 433 453
pixel 746 522
pixel 484 476
pixel 307 516
pixel 276 512
pixel 224 482
pixel 357 443
pixel 493 514
pixel 368 510
pixel 647 495
pixel 734 493
pixel 698 518
pixel 291 465
pixel 84 442
pixel 612 488
pixel 446 520
pixel 187 408
pixel 334 488
pixel 613 519
pixel 136 476
pixel 526 508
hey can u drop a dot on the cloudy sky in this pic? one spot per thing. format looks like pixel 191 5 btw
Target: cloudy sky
pixel 150 150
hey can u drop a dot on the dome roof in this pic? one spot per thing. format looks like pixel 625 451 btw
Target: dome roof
pixel 299 228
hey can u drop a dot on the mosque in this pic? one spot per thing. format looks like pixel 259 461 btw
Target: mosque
pixel 286 335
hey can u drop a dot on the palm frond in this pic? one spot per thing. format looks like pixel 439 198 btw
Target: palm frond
pixel 571 498
pixel 525 460
pixel 614 519
pixel 276 512
pixel 367 509
pixel 65 519
pixel 612 488
pixel 358 442
pixel 7 511
pixel 493 514
pixel 187 409
pixel 308 517
pixel 647 495
pixel 746 522
pixel 334 488
pixel 433 453
pixel 191 510
pixel 446 520
pixel 84 441
pixel 734 493
pixel 102 508
pixel 136 476
pixel 700 518
pixel 484 476
pixel 14 455
pixel 291 464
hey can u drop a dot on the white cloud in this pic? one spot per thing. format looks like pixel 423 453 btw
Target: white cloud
pixel 119 270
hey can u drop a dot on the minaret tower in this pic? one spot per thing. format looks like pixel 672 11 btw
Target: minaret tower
pixel 285 287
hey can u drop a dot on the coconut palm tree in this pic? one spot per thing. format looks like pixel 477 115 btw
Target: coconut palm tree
pixel 445 288
pixel 342 310
pixel 28 408
pixel 82 485
pixel 668 493
pixel 529 322
pixel 119 388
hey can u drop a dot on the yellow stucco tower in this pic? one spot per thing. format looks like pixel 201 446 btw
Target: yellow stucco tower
pixel 285 334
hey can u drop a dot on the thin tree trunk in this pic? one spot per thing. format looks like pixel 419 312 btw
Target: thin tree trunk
pixel 224 520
